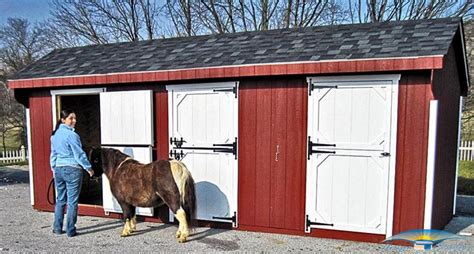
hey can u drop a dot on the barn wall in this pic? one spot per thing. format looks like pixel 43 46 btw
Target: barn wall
pixel 41 126
pixel 412 144
pixel 446 89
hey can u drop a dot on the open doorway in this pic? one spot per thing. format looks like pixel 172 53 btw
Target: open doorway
pixel 87 109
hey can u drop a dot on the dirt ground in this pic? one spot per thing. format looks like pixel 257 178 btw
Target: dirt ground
pixel 24 229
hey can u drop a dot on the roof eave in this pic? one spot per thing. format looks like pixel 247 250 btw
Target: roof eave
pixel 233 71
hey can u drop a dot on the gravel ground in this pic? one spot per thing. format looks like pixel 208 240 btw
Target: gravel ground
pixel 23 229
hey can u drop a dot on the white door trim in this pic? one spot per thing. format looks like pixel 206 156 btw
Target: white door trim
pixel 430 165
pixel 201 86
pixel 55 93
pixel 392 79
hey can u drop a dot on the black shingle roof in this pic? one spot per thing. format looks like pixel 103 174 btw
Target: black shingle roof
pixel 361 41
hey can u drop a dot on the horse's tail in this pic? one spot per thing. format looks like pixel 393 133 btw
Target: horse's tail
pixel 185 183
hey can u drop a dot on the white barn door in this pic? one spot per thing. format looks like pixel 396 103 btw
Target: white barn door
pixel 203 135
pixel 126 121
pixel 351 146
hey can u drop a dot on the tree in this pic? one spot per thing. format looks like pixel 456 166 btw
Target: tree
pixel 361 11
pixel 20 45
pixel 181 15
pixel 101 21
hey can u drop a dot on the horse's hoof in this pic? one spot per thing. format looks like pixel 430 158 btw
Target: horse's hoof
pixel 124 235
pixel 182 240
pixel 178 234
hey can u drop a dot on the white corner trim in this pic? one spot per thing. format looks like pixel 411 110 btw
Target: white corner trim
pixel 430 165
pixel 461 101
pixel 30 156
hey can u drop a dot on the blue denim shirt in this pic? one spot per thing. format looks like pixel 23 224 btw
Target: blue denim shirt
pixel 66 149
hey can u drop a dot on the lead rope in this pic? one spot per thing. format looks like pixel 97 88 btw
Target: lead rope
pixel 51 184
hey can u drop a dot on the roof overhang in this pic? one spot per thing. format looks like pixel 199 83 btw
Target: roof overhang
pixel 267 69
pixel 461 59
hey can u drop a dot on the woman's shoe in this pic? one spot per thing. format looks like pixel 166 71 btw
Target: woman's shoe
pixel 58 232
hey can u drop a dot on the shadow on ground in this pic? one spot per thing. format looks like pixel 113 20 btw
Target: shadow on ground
pixel 11 175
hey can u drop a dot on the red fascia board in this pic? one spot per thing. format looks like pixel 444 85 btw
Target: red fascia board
pixel 298 68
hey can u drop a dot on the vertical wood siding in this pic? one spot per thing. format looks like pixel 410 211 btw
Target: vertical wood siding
pixel 446 89
pixel 412 142
pixel 41 128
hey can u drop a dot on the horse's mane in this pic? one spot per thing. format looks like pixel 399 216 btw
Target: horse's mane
pixel 111 159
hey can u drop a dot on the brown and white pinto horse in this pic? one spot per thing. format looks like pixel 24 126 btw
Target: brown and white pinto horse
pixel 147 185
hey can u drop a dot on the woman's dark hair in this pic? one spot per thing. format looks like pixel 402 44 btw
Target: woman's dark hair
pixel 62 115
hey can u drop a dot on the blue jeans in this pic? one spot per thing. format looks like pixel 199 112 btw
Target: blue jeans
pixel 68 181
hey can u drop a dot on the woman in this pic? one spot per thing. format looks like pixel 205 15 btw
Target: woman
pixel 67 161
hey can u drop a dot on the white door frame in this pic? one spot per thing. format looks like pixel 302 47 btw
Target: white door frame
pixel 56 93
pixel 392 79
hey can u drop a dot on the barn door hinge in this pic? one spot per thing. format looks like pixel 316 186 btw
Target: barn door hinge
pixel 217 148
pixel 233 218
pixel 177 142
pixel 311 223
pixel 311 145
pixel 232 89
pixel 177 155
pixel 311 86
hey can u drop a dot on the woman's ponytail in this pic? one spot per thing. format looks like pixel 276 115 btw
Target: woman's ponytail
pixel 56 128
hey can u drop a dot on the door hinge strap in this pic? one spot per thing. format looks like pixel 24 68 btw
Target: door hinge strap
pixel 233 90
pixel 311 86
pixel 311 145
pixel 218 148
pixel 311 223
pixel 233 218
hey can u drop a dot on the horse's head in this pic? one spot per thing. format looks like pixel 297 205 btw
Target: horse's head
pixel 95 158
pixel 105 160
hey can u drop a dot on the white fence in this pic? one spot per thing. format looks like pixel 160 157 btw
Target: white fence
pixel 13 156
pixel 466 150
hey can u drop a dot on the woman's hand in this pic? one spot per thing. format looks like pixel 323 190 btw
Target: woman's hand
pixel 91 172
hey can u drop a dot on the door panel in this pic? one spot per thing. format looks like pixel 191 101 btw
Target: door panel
pixel 206 120
pixel 348 176
pixel 126 118
pixel 126 125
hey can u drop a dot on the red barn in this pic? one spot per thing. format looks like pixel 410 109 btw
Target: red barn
pixel 347 131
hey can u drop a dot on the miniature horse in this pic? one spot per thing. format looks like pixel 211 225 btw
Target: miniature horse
pixel 147 185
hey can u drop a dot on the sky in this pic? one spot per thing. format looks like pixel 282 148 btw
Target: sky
pixel 33 10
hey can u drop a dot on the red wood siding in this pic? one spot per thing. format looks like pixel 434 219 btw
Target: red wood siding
pixel 412 136
pixel 446 89
pixel 41 127
pixel 161 124
pixel 271 193
pixel 310 68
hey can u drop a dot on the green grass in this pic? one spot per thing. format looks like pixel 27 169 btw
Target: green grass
pixel 466 178
pixel 11 140
pixel 14 163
